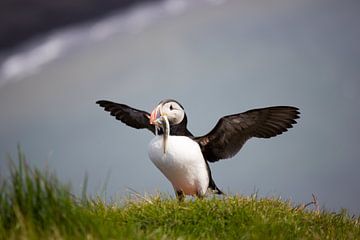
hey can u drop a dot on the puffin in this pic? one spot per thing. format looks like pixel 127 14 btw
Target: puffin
pixel 184 158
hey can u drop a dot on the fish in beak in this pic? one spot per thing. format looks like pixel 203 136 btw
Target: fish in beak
pixel 160 121
pixel 155 117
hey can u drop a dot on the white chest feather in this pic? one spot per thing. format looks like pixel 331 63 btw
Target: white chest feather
pixel 182 163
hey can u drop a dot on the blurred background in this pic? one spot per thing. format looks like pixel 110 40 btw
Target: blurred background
pixel 216 57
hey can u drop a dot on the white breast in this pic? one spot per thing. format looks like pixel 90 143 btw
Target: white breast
pixel 182 163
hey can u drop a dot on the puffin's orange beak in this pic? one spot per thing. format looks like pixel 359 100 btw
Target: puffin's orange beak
pixel 155 114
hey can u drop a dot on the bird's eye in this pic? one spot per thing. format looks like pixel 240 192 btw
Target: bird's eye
pixel 171 108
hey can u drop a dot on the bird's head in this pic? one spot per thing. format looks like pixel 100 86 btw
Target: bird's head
pixel 169 108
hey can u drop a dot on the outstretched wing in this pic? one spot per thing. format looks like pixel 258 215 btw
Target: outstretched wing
pixel 130 116
pixel 231 132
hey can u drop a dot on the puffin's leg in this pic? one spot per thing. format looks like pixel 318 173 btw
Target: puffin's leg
pixel 180 195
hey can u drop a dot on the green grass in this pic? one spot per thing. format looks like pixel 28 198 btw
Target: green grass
pixel 35 205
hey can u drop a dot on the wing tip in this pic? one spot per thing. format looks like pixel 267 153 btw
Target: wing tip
pixel 294 110
pixel 297 112
pixel 102 102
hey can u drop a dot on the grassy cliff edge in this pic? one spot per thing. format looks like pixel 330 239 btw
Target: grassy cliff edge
pixel 35 205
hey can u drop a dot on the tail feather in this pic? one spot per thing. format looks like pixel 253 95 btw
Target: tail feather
pixel 212 184
pixel 214 188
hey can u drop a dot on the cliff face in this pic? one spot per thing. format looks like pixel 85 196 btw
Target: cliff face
pixel 22 19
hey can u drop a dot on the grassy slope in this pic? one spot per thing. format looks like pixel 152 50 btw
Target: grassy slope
pixel 34 205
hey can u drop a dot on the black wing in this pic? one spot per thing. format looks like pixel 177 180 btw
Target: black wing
pixel 231 132
pixel 130 116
